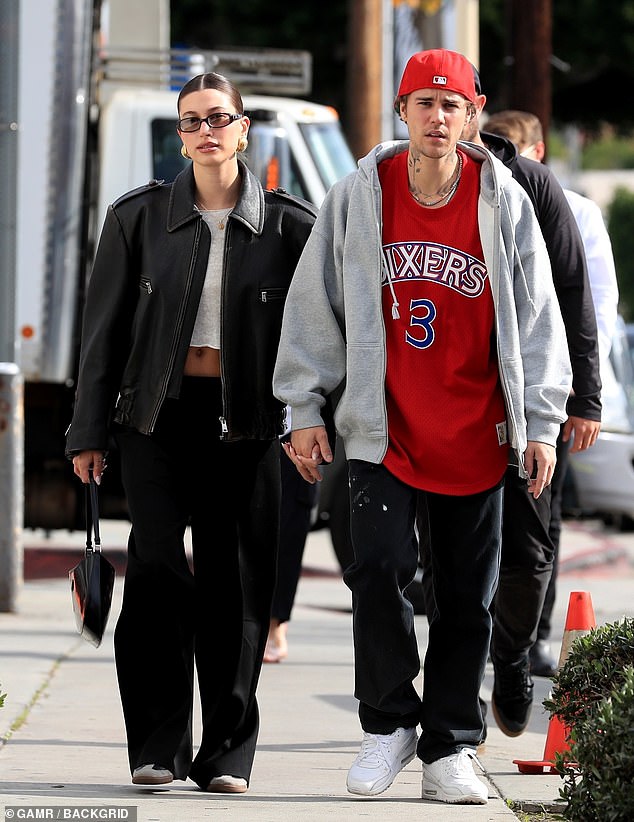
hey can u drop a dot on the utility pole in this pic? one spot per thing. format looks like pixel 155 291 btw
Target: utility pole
pixel 432 24
pixel 467 29
pixel 387 71
pixel 531 48
pixel 452 24
pixel 365 75
pixel 11 396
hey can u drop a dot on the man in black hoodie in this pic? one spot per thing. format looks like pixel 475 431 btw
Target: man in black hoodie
pixel 527 550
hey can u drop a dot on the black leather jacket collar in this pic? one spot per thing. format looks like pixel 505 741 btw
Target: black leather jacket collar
pixel 249 209
pixel 143 298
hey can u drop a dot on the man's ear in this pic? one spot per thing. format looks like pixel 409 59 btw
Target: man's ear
pixel 540 150
pixel 479 103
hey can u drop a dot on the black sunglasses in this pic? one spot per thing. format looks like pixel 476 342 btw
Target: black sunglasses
pixel 218 120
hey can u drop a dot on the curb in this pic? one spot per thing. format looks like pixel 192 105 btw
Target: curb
pixel 594 558
pixel 55 563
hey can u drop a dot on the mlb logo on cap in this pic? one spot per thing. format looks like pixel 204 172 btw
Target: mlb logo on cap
pixel 438 80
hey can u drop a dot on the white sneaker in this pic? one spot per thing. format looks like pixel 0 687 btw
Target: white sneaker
pixel 381 757
pixel 151 775
pixel 228 784
pixel 452 779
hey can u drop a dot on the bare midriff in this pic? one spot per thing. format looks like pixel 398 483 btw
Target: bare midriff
pixel 202 362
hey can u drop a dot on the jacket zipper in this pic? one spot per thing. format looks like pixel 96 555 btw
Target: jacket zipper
pixel 267 294
pixel 378 205
pixel 512 432
pixel 224 427
pixel 178 328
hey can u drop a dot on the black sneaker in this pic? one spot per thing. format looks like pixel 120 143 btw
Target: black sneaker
pixel 512 697
pixel 541 661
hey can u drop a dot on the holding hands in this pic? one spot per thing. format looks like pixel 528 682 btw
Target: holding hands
pixel 308 448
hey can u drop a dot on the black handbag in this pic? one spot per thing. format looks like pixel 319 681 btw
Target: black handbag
pixel 92 580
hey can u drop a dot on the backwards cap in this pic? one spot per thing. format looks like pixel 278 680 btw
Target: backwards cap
pixel 476 79
pixel 438 68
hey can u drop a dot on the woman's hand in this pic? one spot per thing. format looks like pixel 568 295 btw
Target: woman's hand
pixel 309 447
pixel 87 460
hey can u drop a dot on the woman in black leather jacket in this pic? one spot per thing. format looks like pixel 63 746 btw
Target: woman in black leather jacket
pixel 180 334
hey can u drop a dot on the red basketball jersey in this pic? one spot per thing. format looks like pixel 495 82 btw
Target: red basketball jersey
pixel 446 415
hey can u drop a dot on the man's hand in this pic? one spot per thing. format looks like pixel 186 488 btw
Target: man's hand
pixel 584 433
pixel 539 461
pixel 308 448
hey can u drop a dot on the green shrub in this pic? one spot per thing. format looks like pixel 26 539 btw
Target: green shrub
pixel 593 695
pixel 600 788
pixel 608 152
pixel 620 228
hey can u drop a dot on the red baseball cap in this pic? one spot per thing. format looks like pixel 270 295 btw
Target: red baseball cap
pixel 438 68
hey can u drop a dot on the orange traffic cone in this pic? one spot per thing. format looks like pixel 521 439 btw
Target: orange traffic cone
pixel 579 621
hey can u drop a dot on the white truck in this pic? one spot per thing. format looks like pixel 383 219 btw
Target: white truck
pixel 97 116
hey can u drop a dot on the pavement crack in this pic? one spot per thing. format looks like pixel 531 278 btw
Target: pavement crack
pixel 22 717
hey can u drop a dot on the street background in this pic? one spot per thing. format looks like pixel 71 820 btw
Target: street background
pixel 62 728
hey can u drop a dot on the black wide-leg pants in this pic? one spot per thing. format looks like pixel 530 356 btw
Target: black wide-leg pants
pixel 211 618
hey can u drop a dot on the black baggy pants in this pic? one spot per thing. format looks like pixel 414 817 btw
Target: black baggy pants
pixel 464 548
pixel 211 618
pixel 554 532
pixel 525 570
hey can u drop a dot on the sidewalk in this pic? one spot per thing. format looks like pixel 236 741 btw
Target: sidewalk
pixel 67 748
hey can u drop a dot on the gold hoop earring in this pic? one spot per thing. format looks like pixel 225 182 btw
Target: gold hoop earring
pixel 242 144
pixel 184 152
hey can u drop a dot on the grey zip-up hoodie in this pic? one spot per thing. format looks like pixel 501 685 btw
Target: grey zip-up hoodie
pixel 333 331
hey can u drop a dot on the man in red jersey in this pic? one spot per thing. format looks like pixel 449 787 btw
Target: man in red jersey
pixel 421 292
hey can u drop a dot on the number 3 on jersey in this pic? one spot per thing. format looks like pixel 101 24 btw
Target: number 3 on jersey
pixel 422 315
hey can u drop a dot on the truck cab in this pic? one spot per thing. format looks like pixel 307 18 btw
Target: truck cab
pixel 293 144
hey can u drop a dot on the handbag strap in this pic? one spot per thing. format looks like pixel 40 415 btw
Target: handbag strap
pixel 92 516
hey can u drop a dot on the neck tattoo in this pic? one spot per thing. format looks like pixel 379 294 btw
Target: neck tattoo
pixel 440 194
